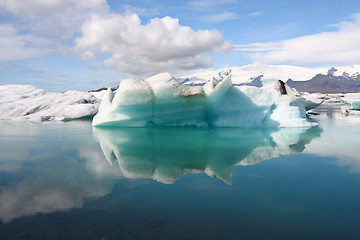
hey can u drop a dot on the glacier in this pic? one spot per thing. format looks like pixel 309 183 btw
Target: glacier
pixel 163 101
pixel 26 102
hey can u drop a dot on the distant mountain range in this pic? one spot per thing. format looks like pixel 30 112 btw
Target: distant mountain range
pixel 328 83
pixel 338 79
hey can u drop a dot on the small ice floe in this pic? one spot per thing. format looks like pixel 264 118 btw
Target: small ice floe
pixel 352 104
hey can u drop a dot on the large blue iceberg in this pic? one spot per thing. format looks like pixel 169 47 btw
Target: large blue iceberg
pixel 162 100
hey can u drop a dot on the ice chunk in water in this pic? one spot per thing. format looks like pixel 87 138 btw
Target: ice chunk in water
pixel 161 100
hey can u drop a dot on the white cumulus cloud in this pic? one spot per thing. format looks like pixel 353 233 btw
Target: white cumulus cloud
pixel 339 47
pixel 61 17
pixel 142 49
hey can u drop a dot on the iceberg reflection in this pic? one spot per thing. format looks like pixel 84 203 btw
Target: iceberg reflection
pixel 167 154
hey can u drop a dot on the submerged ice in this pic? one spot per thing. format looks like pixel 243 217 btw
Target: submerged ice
pixel 162 100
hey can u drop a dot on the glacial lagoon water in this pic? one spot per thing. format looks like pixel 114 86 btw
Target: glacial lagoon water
pixel 72 181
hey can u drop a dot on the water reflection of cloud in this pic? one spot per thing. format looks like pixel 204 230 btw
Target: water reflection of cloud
pixel 44 165
pixel 340 139
pixel 55 187
pixel 12 136
pixel 21 143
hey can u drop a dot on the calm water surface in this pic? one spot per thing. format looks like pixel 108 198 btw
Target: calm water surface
pixel 70 181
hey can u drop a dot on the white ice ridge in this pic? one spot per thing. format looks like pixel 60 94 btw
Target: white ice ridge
pixel 26 102
pixel 161 100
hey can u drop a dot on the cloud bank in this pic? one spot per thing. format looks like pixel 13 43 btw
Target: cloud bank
pixel 339 47
pixel 41 26
pixel 121 41
pixel 57 17
pixel 18 47
pixel 138 49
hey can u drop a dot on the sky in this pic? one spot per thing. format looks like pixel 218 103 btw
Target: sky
pixel 59 45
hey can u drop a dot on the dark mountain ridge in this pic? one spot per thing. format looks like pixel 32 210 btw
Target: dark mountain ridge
pixel 328 83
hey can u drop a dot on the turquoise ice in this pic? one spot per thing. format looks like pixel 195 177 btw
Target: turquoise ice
pixel 161 100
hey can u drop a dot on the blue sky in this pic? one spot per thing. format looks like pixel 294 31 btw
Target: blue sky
pixel 86 44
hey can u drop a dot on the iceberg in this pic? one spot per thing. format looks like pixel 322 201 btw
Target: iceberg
pixel 163 101
pixel 26 102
